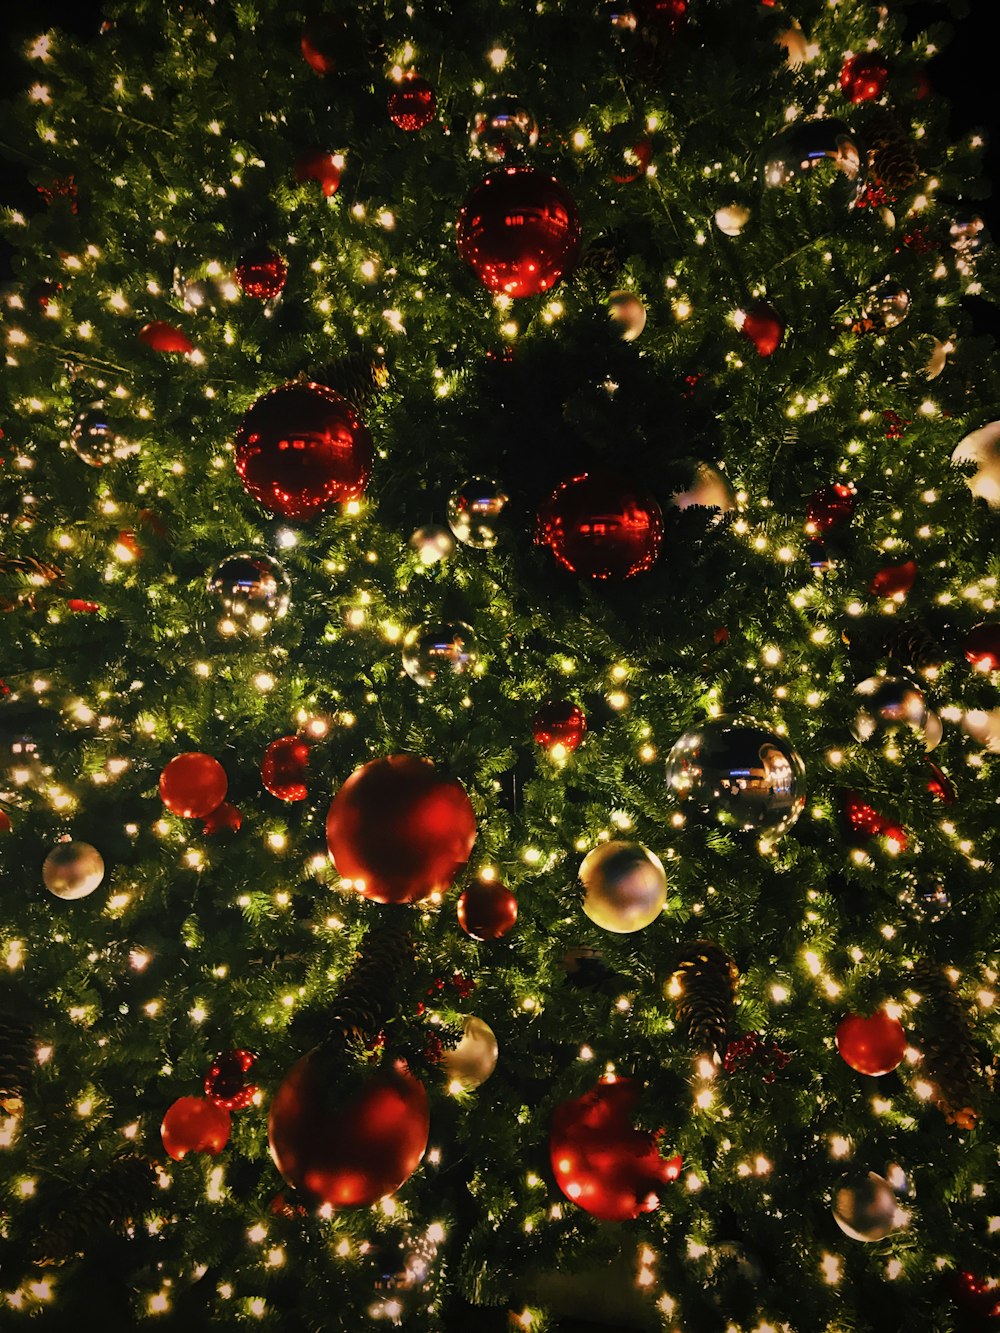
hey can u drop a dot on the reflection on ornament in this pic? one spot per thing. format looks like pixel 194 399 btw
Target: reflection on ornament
pixel 601 527
pixel 249 593
pixel 73 870
pixel 969 236
pixel 933 730
pixel 476 513
pixel 628 312
pixel 432 543
pixel 926 900
pixel 894 581
pixel 412 103
pixel 793 42
pixel 519 231
pixel 474 1059
pixel 740 773
pixel 285 767
pixel 317 164
pixel 982 448
pixel 830 506
pixel 228 1082
pixel 867 1209
pixel 799 149
pixel 874 1046
pixel 625 886
pixel 164 337
pixel 731 219
pixel 96 436
pixel 889 305
pixel 863 78
pixel 194 1124
pixel 632 162
pixel 193 784
pixel 262 274
pixel 502 130
pixel 707 488
pixel 430 651
pixel 559 727
pixel 887 702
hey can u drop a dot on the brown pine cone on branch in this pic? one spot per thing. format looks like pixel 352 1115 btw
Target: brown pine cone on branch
pixel 17 1059
pixel 366 1000
pixel 952 1063
pixel 111 1201
pixel 703 987
pixel 892 160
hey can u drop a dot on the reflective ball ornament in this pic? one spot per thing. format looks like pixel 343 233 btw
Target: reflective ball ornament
pixel 412 103
pixel 262 274
pixel 249 593
pixel 864 78
pixel 474 1059
pixel 519 231
pixel 601 527
pixel 193 785
pixel 502 131
pixel 433 651
pixel 874 1045
pixel 741 773
pixel 487 910
pixel 400 830
pixel 926 900
pixel 96 437
pixel 477 512
pixel 285 768
pixel 808 146
pixel 432 543
pixel 982 647
pixel 229 1082
pixel 73 870
pixel 706 487
pixel 347 1147
pixel 194 1124
pixel 625 887
pixel 866 1208
pixel 731 219
pixel 628 314
pixel 601 1162
pixel 886 702
pixel 886 308
pixel 302 448
pixel 982 448
pixel 559 727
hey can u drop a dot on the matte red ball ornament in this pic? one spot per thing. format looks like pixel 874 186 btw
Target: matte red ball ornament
pixel 163 337
pixel 302 448
pixel 285 767
pixel 225 818
pixel 317 164
pixel 350 1150
pixel 194 1124
pixel 830 507
pixel 487 910
pixel 894 581
pixel 193 785
pixel 601 527
pixel 262 275
pixel 863 78
pixel 561 724
pixel 412 103
pixel 982 647
pixel 602 1163
pixel 400 830
pixel 764 327
pixel 228 1082
pixel 874 1045
pixel 519 231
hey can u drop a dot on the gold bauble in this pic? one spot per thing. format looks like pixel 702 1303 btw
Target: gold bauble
pixel 624 886
pixel 474 1059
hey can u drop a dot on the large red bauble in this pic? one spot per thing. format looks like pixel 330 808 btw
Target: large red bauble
pixel 559 723
pixel 163 337
pixel 193 785
pixel 317 164
pixel 302 448
pixel 347 1152
pixel 399 830
pixel 601 527
pixel 194 1124
pixel 262 274
pixel 228 1082
pixel 412 104
pixel 873 1045
pixel 982 647
pixel 519 231
pixel 895 580
pixel 487 909
pixel 285 767
pixel 601 1161
pixel 863 78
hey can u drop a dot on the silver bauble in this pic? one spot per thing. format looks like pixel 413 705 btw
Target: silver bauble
pixel 474 1059
pixel 982 448
pixel 708 488
pixel 800 149
pixel 502 130
pixel 249 592
pixel 933 730
pixel 96 436
pixel 731 219
pixel 432 543
pixel 430 651
pixel 625 887
pixel 741 773
pixel 476 513
pixel 926 900
pixel 889 305
pixel 628 313
pixel 886 702
pixel 73 870
pixel 866 1209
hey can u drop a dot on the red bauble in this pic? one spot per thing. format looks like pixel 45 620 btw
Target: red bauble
pixel 895 580
pixel 194 1124
pixel 982 647
pixel 830 507
pixel 940 785
pixel 632 163
pixel 601 527
pixel 864 78
pixel 227 1082
pixel 400 830
pixel 601 1161
pixel 193 785
pixel 560 723
pixel 224 819
pixel 519 231
pixel 764 327
pixel 262 275
pixel 412 104
pixel 860 817
pixel 873 1045
pixel 285 767
pixel 163 337
pixel 79 606
pixel 317 164
pixel 321 37
pixel 348 1151
pixel 487 909
pixel 302 448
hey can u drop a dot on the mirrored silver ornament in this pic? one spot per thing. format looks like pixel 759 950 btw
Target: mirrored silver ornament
pixel 249 593
pixel 889 305
pixel 73 870
pixel 476 513
pixel 926 899
pixel 866 1208
pixel 806 146
pixel 432 651
pixel 97 437
pixel 624 885
pixel 886 702
pixel 432 543
pixel 741 773
pixel 628 314
pixel 204 287
pixel 706 487
pixel 502 130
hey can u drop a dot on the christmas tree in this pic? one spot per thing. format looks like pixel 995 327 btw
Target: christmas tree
pixel 498 740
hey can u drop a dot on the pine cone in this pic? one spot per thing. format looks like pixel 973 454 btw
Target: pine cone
pixel 17 1057
pixel 704 988
pixel 891 157
pixel 951 1060
pixel 359 376
pixel 111 1201
pixel 913 645
pixel 367 996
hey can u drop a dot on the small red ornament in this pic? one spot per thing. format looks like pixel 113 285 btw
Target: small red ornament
pixel 262 275
pixel 632 163
pixel 559 724
pixel 284 768
pixel 764 327
pixel 193 785
pixel 519 231
pixel 81 607
pixel 5 824
pixel 487 909
pixel 320 39
pixel 602 1163
pixel 163 337
pixel 861 817
pixel 317 164
pixel 227 1082
pixel 224 819
pixel 301 448
pixel 940 785
pixel 412 104
pixel 194 1124
pixel 400 830
pixel 601 527
pixel 982 647
pixel 874 1045
pixel 347 1151
pixel 894 581
pixel 830 507
pixel 864 77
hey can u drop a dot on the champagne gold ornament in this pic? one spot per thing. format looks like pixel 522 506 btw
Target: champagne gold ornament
pixel 982 448
pixel 474 1059
pixel 625 887
pixel 73 870
pixel 867 1209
